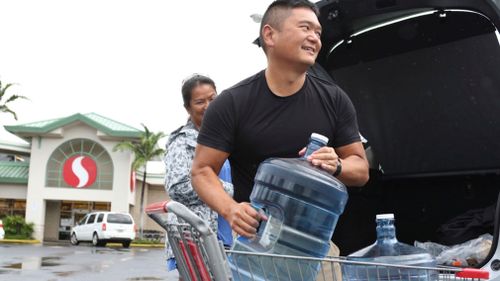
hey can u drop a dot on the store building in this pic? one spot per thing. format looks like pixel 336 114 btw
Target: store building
pixel 69 168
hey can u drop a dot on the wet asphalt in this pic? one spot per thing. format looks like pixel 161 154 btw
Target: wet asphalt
pixel 83 262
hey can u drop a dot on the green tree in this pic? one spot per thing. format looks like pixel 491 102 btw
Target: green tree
pixel 144 150
pixel 3 105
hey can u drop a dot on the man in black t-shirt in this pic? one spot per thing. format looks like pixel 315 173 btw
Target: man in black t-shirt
pixel 272 114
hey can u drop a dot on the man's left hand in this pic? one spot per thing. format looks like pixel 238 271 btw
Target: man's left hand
pixel 325 158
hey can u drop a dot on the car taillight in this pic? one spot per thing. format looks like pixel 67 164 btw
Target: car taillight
pixel 135 227
pixel 103 227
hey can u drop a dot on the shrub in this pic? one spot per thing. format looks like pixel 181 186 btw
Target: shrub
pixel 147 241
pixel 16 228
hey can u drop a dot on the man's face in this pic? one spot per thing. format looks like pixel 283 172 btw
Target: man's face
pixel 298 38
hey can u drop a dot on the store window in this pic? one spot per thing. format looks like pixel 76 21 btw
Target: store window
pixel 101 206
pixel 10 207
pixel 80 163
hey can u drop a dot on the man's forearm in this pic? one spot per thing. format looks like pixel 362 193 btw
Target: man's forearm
pixel 209 188
pixel 354 171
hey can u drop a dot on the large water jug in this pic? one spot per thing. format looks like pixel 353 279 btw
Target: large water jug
pixel 388 250
pixel 303 204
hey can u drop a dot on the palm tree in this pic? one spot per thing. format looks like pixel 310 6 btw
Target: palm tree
pixel 4 107
pixel 144 150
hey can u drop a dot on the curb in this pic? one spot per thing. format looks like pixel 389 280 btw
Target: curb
pixel 137 245
pixel 33 241
pixel 19 241
pixel 148 245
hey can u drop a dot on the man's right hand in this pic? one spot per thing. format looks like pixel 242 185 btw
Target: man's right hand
pixel 244 219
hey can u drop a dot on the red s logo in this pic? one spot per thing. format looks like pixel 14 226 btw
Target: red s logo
pixel 79 171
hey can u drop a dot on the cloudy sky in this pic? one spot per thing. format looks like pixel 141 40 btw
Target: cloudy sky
pixel 123 59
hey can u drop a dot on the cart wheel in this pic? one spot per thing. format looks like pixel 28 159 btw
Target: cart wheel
pixel 74 241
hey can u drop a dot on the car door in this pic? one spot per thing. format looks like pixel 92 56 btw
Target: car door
pixel 79 229
pixel 88 227
pixel 98 225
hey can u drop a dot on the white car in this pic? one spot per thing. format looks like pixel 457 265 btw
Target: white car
pixel 102 227
pixel 2 231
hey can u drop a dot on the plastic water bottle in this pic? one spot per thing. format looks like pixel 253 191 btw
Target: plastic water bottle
pixel 303 204
pixel 388 250
pixel 316 141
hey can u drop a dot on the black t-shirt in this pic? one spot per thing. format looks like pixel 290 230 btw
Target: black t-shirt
pixel 253 124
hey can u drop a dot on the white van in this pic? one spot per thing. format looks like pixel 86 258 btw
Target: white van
pixel 102 227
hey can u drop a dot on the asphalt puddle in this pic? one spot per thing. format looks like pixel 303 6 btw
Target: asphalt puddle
pixel 64 273
pixel 7 271
pixel 13 266
pixel 143 278
pixel 33 263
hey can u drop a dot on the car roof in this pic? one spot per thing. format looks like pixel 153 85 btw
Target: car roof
pixel 108 212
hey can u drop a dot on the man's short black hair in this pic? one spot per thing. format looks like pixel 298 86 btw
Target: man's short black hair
pixel 279 10
pixel 192 82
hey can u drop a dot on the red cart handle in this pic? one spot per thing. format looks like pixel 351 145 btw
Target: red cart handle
pixel 473 273
pixel 157 208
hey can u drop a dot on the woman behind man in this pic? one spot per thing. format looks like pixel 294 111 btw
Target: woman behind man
pixel 197 92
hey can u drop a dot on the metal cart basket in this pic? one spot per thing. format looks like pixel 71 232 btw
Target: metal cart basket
pixel 200 257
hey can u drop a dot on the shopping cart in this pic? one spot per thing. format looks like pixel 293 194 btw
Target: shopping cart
pixel 200 257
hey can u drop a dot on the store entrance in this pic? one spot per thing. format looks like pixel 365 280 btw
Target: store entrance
pixel 78 215
pixel 73 211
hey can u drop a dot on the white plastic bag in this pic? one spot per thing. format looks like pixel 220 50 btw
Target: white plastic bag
pixel 468 253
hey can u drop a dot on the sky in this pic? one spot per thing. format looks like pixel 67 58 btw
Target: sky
pixel 123 59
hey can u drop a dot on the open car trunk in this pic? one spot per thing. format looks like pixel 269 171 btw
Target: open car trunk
pixel 424 77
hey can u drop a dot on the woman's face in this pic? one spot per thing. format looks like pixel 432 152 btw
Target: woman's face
pixel 201 96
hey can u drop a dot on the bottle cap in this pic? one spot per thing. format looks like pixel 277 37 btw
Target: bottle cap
pixel 319 137
pixel 385 216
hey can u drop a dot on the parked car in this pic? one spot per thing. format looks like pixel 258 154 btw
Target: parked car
pixel 2 231
pixel 102 227
pixel 424 77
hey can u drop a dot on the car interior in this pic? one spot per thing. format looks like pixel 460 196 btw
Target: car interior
pixel 424 77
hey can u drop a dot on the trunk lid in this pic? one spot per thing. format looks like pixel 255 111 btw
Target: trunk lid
pixel 424 77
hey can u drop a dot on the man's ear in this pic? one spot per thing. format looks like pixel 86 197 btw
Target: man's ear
pixel 268 35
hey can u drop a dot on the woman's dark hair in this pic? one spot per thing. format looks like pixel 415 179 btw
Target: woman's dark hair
pixel 192 82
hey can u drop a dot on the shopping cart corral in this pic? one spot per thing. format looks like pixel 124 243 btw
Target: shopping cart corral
pixel 200 257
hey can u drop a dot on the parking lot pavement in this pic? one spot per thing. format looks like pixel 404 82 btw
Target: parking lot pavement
pixel 84 262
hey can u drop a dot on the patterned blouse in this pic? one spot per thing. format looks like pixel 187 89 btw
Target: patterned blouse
pixel 178 159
